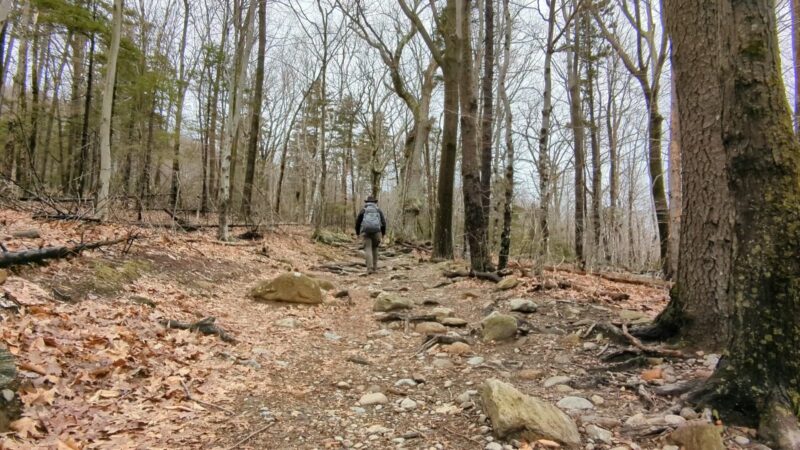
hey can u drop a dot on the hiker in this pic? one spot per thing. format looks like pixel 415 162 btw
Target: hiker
pixel 371 224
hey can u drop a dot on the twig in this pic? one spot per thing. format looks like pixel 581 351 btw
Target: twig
pixel 251 435
pixel 211 405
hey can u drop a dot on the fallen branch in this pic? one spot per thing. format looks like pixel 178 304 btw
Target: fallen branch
pixel 8 259
pixel 434 339
pixel 205 326
pixel 395 317
pixel 68 217
pixel 488 276
pixel 624 337
pixel 616 277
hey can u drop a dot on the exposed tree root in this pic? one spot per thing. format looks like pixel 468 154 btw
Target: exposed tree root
pixel 779 426
pixel 488 276
pixel 205 326
pixel 623 336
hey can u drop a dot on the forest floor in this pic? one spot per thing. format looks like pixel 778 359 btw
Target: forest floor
pixel 101 371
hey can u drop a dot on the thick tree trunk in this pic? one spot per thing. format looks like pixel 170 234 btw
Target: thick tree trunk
pixel 656 170
pixel 759 377
pixel 443 228
pixel 475 223
pixel 675 197
pixel 795 8
pixel 105 115
pixel 255 112
pixel 174 193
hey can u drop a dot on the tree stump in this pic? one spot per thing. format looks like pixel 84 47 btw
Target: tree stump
pixel 10 405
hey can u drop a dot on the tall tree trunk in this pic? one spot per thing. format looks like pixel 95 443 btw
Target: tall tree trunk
pixel 795 8
pixel 213 159
pixel 656 170
pixel 487 109
pixel 505 235
pixel 236 80
pixel 105 115
pixel 255 112
pixel 759 376
pixel 594 139
pixel 543 166
pixel 147 160
pixel 578 130
pixel 612 130
pixel 475 226
pixel 83 152
pixel 33 133
pixel 17 154
pixel 54 102
pixel 70 174
pixel 174 193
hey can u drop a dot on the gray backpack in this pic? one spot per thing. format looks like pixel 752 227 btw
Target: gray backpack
pixel 372 219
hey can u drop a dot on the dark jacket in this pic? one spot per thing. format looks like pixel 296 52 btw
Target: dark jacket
pixel 361 218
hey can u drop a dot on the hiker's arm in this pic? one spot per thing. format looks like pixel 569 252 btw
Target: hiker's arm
pixel 358 222
pixel 383 223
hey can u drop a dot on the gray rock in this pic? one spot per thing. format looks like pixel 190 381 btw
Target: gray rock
pixel 522 305
pixel 741 440
pixel 453 322
pixel 499 327
pixel 374 398
pixel 442 363
pixel 689 413
pixel 493 446
pixel 331 336
pixel 673 420
pixel 442 312
pixel 599 434
pixel 286 323
pixel 390 302
pixel 519 416
pixel 408 404
pixel 405 382
pixel 571 402
pixel 552 381
pixel 32 233
pixel 698 436
pixel 475 361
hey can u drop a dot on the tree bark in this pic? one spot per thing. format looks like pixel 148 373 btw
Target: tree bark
pixel 475 224
pixel 675 197
pixel 543 165
pixel 487 109
pixel 255 112
pixel 174 193
pixel 105 115
pixel 759 378
pixel 505 235
pixel 577 124
pixel 794 5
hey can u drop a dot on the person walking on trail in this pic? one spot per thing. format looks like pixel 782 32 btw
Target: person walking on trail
pixel 371 225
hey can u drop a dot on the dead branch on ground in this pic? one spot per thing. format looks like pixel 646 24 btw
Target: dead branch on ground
pixel 488 276
pixel 205 326
pixel 8 259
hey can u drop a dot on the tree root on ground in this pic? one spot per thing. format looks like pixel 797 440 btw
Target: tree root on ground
pixel 488 276
pixel 623 336
pixel 205 326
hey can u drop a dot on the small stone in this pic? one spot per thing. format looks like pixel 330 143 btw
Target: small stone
pixel 343 385
pixel 475 361
pixel 453 322
pixel 599 434
pixel 597 400
pixel 670 447
pixel 672 419
pixel 8 395
pixel 499 327
pixel 405 382
pixel 442 363
pixel 588 346
pixel 442 312
pixel 571 402
pixel 636 420
pixel 448 384
pixel 553 381
pixel 529 374
pixel 358 410
pixel 377 429
pixel 493 446
pixel 430 328
pixel 689 413
pixel 522 305
pixel 331 336
pixel 374 398
pixel 286 323
pixel 457 348
pixel 741 440
pixel 408 404
pixel 565 388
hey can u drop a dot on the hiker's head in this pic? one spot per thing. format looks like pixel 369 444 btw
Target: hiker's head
pixel 371 199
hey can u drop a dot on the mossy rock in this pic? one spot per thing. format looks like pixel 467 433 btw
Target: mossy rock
pixel 329 237
pixel 291 287
pixel 499 327
pixel 325 285
pixel 698 436
pixel 386 302
pixel 108 279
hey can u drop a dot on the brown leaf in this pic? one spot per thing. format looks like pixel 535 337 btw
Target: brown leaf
pixel 26 427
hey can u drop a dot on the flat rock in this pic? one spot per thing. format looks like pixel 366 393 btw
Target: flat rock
pixel 453 322
pixel 31 233
pixel 518 416
pixel 286 323
pixel 430 328
pixel 571 402
pixel 408 404
pixel 499 327
pixel 529 374
pixel 552 381
pixel 522 305
pixel 698 436
pixel 457 348
pixel 373 398
pixel 291 287
pixel 389 302
pixel 507 283
pixel 475 361
pixel 442 312
pixel 442 363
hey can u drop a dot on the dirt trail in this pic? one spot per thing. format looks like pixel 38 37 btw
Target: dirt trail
pixel 102 373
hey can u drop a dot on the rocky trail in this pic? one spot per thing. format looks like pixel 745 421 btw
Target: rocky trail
pixel 99 368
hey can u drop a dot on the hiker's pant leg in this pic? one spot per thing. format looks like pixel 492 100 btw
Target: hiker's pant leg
pixel 376 241
pixel 368 252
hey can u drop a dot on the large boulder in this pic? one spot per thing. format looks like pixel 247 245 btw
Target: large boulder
pixel 698 436
pixel 499 327
pixel 386 302
pixel 291 287
pixel 507 283
pixel 515 415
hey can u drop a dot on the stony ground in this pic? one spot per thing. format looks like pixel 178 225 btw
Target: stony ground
pixel 101 371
